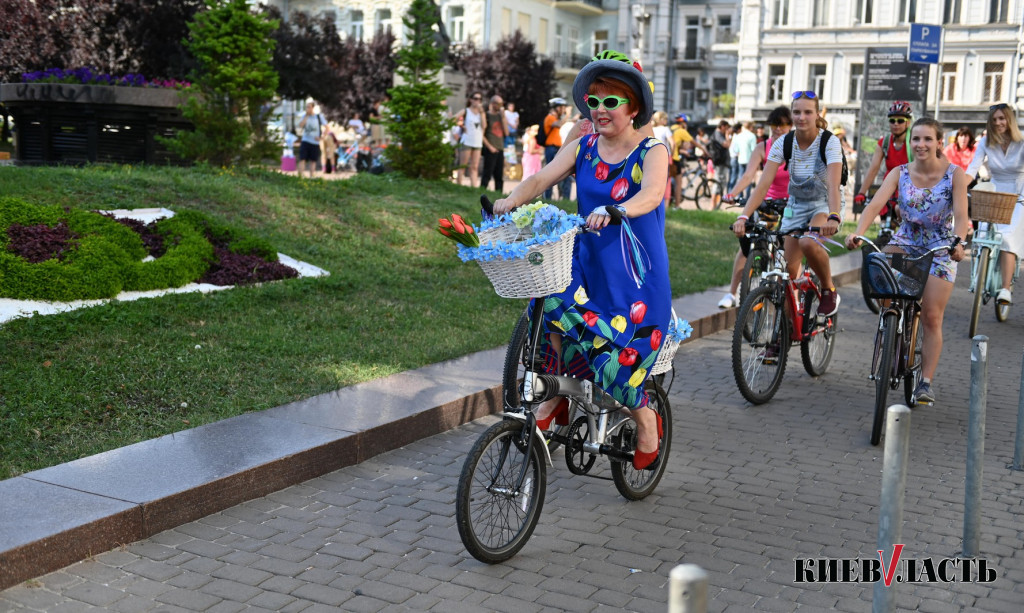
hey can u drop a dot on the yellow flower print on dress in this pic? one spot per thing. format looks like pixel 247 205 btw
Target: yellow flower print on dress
pixel 619 323
pixel 600 341
pixel 638 377
pixel 638 173
pixel 581 296
pixel 557 324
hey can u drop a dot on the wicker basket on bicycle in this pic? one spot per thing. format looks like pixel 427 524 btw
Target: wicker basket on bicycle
pixel 992 207
pixel 900 274
pixel 678 331
pixel 545 268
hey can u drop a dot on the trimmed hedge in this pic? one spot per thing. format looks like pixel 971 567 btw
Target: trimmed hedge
pixel 108 258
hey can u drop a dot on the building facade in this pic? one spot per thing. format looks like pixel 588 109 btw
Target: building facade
pixel 820 45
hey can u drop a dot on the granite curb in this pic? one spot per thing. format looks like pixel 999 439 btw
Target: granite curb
pixel 59 515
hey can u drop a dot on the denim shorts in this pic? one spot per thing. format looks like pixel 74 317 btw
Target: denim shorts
pixel 800 214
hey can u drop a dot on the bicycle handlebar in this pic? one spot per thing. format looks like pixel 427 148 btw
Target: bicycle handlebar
pixel 614 213
pixel 926 252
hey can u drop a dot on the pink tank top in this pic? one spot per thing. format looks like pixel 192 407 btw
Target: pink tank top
pixel 780 186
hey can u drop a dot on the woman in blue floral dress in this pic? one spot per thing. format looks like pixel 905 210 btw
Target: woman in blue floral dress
pixel 933 204
pixel 609 324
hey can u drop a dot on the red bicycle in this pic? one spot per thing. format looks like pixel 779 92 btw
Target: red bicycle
pixel 779 313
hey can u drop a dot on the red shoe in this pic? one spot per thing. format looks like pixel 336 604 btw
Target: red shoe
pixel 560 416
pixel 644 459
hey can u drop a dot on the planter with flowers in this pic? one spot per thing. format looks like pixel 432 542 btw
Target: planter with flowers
pixel 525 253
pixel 79 116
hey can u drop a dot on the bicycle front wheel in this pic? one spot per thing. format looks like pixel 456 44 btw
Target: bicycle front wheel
pixel 980 282
pixel 885 348
pixel 760 344
pixel 914 346
pixel 636 484
pixel 819 338
pixel 494 517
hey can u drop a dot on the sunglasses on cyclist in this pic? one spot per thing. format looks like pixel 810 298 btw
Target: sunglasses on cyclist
pixel 610 102
pixel 799 95
pixel 900 120
pixel 998 107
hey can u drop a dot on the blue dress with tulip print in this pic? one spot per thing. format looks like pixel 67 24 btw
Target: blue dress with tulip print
pixel 612 329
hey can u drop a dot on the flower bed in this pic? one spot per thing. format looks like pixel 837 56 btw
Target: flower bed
pixel 49 253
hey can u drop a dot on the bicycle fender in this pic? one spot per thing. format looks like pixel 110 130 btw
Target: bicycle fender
pixel 540 435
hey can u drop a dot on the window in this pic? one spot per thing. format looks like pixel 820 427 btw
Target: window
pixel 724 33
pixel 687 92
pixel 384 20
pixel 865 12
pixel 781 13
pixel 908 11
pixel 856 82
pixel 997 11
pixel 524 24
pixel 542 35
pixel 719 86
pixel 457 24
pixel 506 22
pixel 600 41
pixel 816 78
pixel 822 10
pixel 776 83
pixel 994 81
pixel 948 81
pixel 692 32
pixel 355 25
pixel 574 40
pixel 559 44
pixel 952 11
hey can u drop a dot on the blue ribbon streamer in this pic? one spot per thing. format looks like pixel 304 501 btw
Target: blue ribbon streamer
pixel 633 254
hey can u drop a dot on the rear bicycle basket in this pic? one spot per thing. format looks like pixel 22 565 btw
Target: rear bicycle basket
pixel 898 272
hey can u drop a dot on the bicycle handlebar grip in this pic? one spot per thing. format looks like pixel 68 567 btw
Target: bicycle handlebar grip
pixel 486 204
pixel 616 216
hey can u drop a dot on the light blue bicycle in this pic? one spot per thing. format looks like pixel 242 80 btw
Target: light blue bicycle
pixel 986 247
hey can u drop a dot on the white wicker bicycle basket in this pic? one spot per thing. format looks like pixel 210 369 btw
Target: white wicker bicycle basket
pixel 663 363
pixel 546 269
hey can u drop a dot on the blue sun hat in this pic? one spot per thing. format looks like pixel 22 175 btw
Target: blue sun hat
pixel 623 70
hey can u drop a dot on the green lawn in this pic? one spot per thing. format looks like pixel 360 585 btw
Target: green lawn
pixel 398 298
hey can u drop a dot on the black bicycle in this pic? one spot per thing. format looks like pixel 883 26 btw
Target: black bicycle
pixel 896 276
pixel 503 482
pixel 888 221
pixel 765 245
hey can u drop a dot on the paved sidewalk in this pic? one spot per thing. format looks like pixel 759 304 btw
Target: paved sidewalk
pixel 748 490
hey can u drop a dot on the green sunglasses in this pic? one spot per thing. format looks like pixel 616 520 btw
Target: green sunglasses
pixel 610 102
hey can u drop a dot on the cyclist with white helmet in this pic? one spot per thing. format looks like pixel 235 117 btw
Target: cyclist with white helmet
pixel 893 149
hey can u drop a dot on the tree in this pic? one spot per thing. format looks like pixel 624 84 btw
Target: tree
pixel 513 70
pixel 368 73
pixel 308 57
pixel 232 86
pixel 417 116
pixel 30 37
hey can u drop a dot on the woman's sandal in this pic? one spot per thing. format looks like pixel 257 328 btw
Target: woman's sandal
pixel 560 416
pixel 645 459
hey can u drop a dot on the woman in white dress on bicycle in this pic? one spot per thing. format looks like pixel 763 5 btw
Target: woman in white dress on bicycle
pixel 1002 151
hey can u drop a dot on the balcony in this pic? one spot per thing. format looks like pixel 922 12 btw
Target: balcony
pixel 587 8
pixel 690 57
pixel 568 65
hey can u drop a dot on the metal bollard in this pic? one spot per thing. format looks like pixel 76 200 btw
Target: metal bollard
pixel 894 486
pixel 975 445
pixel 1018 446
pixel 688 589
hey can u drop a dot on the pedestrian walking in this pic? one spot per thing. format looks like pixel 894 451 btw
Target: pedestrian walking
pixel 472 139
pixel 311 126
pixel 494 144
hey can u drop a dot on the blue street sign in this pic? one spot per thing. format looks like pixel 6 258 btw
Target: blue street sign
pixel 925 43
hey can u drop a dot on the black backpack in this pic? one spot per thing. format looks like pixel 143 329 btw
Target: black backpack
pixel 719 153
pixel 542 136
pixel 787 153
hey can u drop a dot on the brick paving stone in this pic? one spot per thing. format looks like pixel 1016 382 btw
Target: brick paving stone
pixel 189 580
pixel 188 599
pixel 94 594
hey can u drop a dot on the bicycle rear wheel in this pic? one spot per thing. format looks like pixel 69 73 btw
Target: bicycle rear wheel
pixel 885 348
pixel 704 192
pixel 914 345
pixel 495 520
pixel 980 288
pixel 689 182
pixel 819 337
pixel 760 344
pixel 757 263
pixel 636 484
